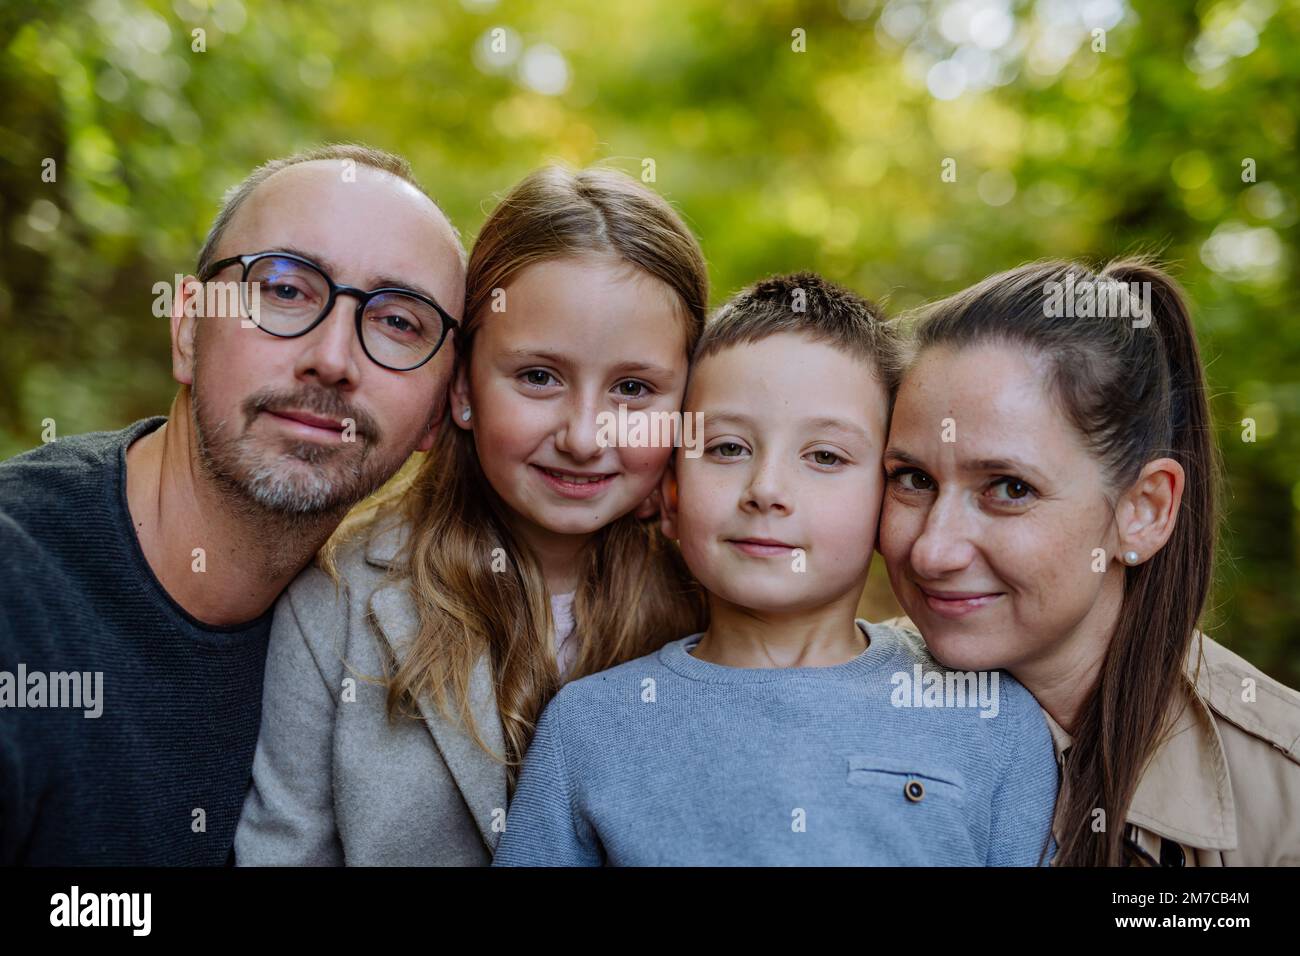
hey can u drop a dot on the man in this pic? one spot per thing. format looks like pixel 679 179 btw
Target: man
pixel 140 567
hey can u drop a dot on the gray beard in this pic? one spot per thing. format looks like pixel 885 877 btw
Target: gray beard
pixel 295 485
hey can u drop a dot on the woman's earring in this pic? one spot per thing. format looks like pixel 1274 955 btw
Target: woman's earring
pixel 464 415
pixel 1130 557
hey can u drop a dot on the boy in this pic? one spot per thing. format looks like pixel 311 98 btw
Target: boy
pixel 787 733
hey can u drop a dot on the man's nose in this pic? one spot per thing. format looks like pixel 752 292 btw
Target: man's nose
pixel 330 352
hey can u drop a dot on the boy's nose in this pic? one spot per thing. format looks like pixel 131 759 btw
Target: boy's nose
pixel 768 490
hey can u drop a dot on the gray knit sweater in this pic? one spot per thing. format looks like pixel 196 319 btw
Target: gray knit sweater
pixel 673 760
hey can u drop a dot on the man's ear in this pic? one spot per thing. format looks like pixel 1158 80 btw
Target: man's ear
pixel 668 501
pixel 458 395
pixel 184 327
pixel 426 441
pixel 1147 513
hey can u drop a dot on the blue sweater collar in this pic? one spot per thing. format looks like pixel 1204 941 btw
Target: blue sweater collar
pixel 676 657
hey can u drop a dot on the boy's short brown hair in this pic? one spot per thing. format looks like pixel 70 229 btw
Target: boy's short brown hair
pixel 807 304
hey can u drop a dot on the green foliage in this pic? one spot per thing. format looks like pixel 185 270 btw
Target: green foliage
pixel 827 159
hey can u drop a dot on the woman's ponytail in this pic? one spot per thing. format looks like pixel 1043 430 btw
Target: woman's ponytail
pixel 1130 379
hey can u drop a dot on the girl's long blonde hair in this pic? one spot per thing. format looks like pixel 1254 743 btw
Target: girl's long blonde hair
pixel 634 593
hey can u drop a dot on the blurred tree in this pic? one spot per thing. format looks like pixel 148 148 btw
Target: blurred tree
pixel 791 134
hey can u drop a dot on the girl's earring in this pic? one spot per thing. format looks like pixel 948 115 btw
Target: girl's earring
pixel 464 415
pixel 1130 558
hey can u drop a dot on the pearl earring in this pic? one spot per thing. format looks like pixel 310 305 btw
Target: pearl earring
pixel 1130 557
pixel 464 415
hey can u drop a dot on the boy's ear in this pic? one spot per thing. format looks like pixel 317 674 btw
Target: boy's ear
pixel 880 513
pixel 668 499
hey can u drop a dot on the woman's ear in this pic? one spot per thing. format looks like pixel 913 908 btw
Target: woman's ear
pixel 462 413
pixel 1147 512
pixel 668 502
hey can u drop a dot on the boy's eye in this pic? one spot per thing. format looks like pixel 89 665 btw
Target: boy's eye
pixel 728 449
pixel 1015 489
pixel 631 388
pixel 538 376
pixel 824 457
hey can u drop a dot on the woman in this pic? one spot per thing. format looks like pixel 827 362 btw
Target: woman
pixel 406 675
pixel 1050 511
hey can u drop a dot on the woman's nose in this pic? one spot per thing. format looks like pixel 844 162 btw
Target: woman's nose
pixel 944 545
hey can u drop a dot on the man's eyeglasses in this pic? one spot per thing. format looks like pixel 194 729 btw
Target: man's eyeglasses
pixel 399 329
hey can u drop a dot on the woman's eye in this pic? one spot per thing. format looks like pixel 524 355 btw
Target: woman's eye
pixel 631 388
pixel 910 479
pixel 537 376
pixel 1015 489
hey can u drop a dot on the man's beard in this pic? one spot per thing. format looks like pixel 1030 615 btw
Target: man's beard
pixel 288 478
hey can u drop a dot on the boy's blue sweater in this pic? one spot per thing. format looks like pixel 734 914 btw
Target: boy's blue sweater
pixel 672 760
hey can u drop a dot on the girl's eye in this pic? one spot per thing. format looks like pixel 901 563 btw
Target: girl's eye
pixel 538 376
pixel 728 449
pixel 631 388
pixel 1016 490
pixel 912 479
pixel 827 458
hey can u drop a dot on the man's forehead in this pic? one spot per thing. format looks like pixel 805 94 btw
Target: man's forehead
pixel 334 176
pixel 376 220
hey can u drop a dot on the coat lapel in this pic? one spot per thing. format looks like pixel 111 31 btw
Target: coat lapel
pixel 1184 793
pixel 480 777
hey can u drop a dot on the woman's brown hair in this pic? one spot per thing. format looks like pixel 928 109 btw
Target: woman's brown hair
pixel 1134 387
pixel 634 592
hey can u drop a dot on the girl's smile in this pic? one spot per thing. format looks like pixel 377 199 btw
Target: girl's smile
pixel 574 484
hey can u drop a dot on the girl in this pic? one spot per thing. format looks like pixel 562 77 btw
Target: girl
pixel 1063 529
pixel 514 560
